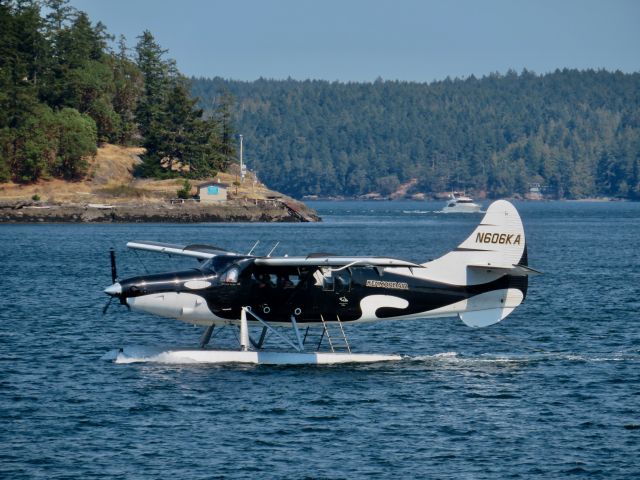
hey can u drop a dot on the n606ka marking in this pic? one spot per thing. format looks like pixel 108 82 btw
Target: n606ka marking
pixel 498 238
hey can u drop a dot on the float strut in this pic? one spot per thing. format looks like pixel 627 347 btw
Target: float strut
pixel 270 328
pixel 206 336
pixel 244 331
pixel 262 338
pixel 295 329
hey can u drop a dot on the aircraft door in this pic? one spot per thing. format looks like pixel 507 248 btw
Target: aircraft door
pixel 342 281
pixel 334 281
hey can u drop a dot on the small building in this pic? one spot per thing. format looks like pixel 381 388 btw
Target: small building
pixel 212 192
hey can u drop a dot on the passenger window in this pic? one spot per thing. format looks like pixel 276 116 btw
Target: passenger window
pixel 263 280
pixel 285 281
pixel 342 281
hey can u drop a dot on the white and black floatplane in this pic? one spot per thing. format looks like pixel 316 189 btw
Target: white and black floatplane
pixel 480 282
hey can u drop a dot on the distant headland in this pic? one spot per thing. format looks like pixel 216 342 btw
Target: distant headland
pixel 110 193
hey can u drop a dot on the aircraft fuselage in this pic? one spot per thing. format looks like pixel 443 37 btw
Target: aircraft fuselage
pixel 215 292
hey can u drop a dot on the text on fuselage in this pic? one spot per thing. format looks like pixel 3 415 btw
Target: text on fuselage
pixel 385 284
pixel 499 238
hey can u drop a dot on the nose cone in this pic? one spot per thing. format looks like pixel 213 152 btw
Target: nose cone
pixel 113 290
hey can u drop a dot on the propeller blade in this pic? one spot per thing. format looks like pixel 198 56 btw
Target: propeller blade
pixel 114 273
pixel 106 307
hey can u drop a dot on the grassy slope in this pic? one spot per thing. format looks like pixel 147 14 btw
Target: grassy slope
pixel 110 180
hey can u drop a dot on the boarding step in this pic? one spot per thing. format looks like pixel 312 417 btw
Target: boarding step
pixel 337 340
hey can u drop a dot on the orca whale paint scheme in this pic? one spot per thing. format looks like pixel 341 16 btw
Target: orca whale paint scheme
pixel 482 281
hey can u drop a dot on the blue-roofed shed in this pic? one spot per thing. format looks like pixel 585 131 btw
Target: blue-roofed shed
pixel 212 192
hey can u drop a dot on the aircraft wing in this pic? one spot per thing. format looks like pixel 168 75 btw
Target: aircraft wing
pixel 333 261
pixel 201 252
pixel 517 270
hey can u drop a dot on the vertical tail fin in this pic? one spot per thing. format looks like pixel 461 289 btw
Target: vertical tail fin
pixel 498 242
pixel 496 249
pixel 499 238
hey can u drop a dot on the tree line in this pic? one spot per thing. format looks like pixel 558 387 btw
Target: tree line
pixel 64 89
pixel 66 86
pixel 575 133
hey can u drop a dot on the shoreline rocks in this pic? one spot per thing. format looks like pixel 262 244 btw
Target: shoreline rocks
pixel 25 212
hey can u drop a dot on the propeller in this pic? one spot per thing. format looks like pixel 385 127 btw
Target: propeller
pixel 114 279
pixel 106 307
pixel 114 272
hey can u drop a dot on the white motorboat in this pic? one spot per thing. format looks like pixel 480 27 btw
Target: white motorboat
pixel 460 203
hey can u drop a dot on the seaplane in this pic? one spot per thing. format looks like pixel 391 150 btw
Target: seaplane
pixel 314 296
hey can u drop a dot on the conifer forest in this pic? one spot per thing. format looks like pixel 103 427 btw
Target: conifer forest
pixel 67 85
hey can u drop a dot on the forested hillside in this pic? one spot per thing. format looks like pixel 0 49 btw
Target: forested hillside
pixel 575 132
pixel 63 90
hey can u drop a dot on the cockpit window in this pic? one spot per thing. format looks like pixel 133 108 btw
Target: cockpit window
pixel 217 264
pixel 231 275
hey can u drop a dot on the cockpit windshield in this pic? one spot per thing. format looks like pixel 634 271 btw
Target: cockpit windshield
pixel 218 263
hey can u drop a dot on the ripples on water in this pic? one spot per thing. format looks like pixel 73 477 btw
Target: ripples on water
pixel 553 391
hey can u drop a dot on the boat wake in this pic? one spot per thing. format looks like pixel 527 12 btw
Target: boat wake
pixel 457 359
pixel 420 212
pixel 437 212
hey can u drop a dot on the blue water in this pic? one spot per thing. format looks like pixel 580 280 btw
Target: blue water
pixel 551 392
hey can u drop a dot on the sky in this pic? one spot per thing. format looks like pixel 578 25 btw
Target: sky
pixel 362 40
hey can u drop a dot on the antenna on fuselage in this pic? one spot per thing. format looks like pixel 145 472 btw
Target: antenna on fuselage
pixel 274 247
pixel 254 247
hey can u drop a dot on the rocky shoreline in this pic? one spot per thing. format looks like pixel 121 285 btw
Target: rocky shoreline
pixel 188 212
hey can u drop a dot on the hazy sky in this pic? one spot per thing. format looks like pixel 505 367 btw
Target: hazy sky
pixel 360 40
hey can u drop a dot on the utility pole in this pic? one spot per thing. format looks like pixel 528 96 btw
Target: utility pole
pixel 242 170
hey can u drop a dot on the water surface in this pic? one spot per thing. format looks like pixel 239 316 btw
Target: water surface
pixel 553 391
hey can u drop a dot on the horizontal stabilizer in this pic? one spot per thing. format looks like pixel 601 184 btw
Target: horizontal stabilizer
pixel 515 270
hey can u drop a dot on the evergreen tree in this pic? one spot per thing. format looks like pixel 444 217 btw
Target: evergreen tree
pixel 77 136
pixel 155 74
pixel 224 116
pixel 34 145
pixel 128 85
pixel 177 140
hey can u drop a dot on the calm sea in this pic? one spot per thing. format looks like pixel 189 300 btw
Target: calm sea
pixel 551 392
